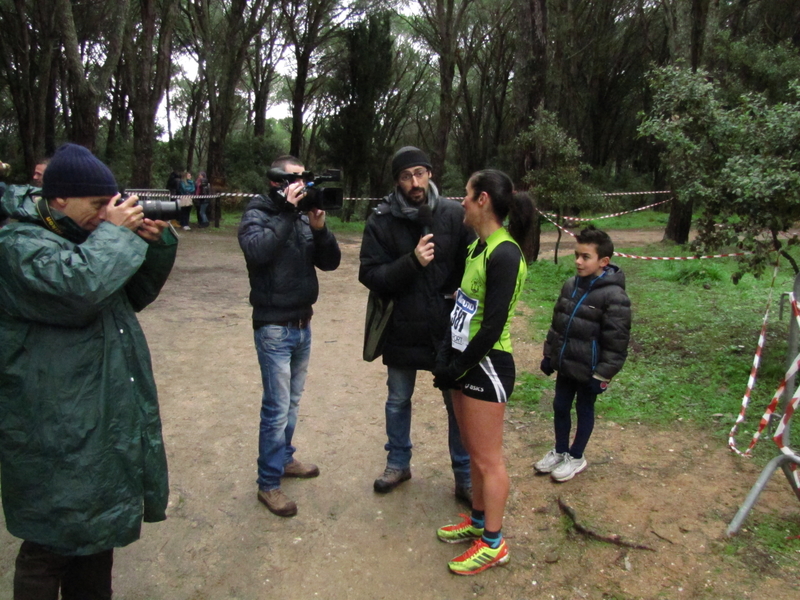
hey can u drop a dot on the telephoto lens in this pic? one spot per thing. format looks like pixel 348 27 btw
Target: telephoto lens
pixel 157 210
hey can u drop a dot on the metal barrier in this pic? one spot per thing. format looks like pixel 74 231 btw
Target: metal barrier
pixel 787 459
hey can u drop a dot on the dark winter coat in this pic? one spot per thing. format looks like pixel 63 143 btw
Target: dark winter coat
pixel 81 455
pixel 591 327
pixel 282 250
pixel 421 313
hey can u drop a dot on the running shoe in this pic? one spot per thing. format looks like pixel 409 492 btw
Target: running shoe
pixel 568 468
pixel 479 557
pixel 550 461
pixel 462 532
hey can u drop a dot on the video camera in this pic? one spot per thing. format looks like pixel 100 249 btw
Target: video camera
pixel 155 209
pixel 323 198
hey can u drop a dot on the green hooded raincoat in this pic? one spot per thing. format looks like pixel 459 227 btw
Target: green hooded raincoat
pixel 82 460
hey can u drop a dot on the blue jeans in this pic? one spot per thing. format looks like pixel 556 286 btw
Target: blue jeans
pixel 398 426
pixel 283 354
pixel 202 211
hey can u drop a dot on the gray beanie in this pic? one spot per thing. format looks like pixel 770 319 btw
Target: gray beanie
pixel 407 156
pixel 74 172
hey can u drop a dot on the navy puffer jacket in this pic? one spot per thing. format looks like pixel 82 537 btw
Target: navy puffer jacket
pixel 591 327
pixel 282 250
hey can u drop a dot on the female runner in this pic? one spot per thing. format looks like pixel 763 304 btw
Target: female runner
pixel 476 361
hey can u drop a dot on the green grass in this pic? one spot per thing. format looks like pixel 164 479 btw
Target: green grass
pixel 693 339
pixel 645 219
pixel 766 542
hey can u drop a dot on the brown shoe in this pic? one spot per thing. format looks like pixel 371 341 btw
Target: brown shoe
pixel 298 469
pixel 277 502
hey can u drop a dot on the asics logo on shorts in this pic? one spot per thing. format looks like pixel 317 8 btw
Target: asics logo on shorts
pixel 469 386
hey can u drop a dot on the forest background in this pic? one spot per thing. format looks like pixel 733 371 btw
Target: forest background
pixel 571 97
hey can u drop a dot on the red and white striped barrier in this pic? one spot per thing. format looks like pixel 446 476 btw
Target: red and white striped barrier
pixel 791 405
pixel 627 212
pixel 681 257
pixel 623 255
pixel 753 375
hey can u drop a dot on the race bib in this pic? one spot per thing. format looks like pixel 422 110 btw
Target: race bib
pixel 460 318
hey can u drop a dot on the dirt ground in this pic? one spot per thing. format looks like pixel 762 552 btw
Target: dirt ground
pixel 672 490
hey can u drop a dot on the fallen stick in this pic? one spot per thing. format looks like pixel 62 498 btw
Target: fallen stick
pixel 611 539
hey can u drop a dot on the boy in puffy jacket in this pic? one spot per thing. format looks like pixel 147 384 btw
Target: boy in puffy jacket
pixel 587 344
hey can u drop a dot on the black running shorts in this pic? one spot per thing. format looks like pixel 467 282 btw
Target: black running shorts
pixel 492 379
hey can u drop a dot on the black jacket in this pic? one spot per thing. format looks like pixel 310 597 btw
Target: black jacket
pixel 281 251
pixel 591 327
pixel 421 313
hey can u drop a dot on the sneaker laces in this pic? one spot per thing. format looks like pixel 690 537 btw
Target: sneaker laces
pixel 466 522
pixel 476 547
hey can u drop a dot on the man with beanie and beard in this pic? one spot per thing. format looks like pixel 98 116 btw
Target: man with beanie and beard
pixel 82 459
pixel 413 252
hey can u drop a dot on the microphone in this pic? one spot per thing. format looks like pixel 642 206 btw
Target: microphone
pixel 425 218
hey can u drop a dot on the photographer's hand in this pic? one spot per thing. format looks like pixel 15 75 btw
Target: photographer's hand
pixel 316 218
pixel 424 250
pixel 151 230
pixel 125 214
pixel 295 192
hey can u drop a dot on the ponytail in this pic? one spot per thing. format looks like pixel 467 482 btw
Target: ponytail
pixel 517 206
pixel 520 223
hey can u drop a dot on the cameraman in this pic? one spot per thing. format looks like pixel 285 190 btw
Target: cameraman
pixel 282 247
pixel 81 454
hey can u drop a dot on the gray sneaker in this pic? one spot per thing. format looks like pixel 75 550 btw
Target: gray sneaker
pixel 277 502
pixel 569 468
pixel 390 479
pixel 550 461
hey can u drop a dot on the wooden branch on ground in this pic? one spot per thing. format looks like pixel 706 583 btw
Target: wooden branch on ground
pixel 611 539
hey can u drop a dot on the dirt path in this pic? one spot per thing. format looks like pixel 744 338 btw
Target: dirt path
pixel 674 491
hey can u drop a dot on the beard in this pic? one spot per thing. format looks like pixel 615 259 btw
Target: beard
pixel 417 195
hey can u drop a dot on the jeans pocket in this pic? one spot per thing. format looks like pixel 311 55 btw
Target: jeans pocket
pixel 269 336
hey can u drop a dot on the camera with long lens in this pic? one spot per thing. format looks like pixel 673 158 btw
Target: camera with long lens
pixel 317 195
pixel 156 208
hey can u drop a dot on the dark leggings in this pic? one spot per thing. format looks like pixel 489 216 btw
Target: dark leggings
pixel 566 390
pixel 40 573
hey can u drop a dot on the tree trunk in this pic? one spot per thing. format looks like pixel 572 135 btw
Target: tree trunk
pixel 298 104
pixel 89 85
pixel 679 223
pixel 148 58
pixel 221 43
pixel 27 63
pixel 529 88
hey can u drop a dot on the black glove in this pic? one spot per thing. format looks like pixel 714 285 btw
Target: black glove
pixel 546 367
pixel 445 376
pixel 597 386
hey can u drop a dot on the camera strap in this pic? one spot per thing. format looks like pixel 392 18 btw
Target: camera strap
pixel 43 208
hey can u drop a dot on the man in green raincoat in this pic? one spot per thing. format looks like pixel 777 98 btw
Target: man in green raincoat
pixel 82 460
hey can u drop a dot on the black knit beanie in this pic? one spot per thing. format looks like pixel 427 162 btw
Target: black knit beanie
pixel 407 156
pixel 74 172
